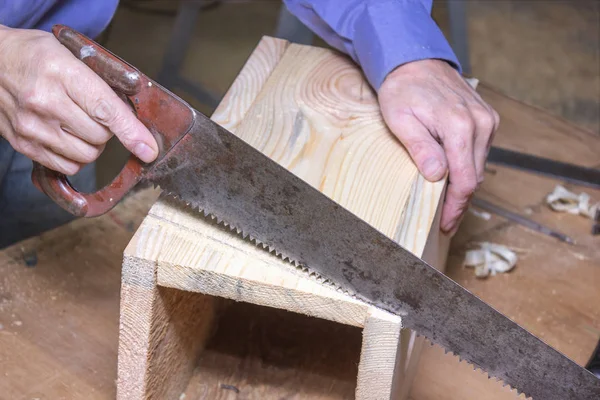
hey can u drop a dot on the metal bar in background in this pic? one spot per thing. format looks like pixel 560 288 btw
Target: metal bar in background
pixel 169 75
pixel 459 33
pixel 290 28
pixel 521 220
pixel 543 166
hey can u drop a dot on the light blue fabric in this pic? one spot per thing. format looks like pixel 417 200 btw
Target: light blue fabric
pixel 89 17
pixel 379 35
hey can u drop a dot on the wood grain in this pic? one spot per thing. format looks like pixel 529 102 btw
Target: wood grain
pixel 163 330
pixel 159 342
pixel 382 350
pixel 237 101
pixel 322 123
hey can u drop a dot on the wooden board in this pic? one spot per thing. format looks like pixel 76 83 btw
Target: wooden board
pixel 322 123
pixel 59 318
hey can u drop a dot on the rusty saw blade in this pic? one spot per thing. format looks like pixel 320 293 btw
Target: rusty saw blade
pixel 213 170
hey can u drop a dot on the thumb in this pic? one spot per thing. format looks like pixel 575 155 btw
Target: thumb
pixel 113 113
pixel 425 151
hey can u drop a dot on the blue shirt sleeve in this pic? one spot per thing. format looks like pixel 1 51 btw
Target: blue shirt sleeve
pixel 89 17
pixel 380 35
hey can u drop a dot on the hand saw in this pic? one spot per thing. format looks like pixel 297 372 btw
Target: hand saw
pixel 212 170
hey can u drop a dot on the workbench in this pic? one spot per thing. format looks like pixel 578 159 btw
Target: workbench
pixel 59 294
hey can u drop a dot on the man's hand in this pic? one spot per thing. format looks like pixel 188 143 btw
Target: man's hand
pixel 445 126
pixel 57 111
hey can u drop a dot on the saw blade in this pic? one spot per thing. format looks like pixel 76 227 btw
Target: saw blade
pixel 213 170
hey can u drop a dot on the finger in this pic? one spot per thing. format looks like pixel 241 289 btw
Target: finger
pixel 72 147
pixel 49 135
pixel 76 122
pixel 458 144
pixel 425 151
pixel 6 129
pixel 496 117
pixel 47 158
pixel 103 105
pixel 484 128
pixel 58 163
pixel 53 105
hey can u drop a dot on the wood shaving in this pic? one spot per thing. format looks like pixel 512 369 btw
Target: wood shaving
pixel 480 214
pixel 563 200
pixel 473 82
pixel 490 259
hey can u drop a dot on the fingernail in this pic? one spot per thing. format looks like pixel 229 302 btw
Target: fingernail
pixel 431 168
pixel 144 152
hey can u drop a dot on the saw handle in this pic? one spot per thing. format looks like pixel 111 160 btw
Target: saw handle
pixel 166 116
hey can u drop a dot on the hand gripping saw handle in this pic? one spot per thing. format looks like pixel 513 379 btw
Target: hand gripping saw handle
pixel 165 115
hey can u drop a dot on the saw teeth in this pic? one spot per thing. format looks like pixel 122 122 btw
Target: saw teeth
pixel 318 278
pixel 476 368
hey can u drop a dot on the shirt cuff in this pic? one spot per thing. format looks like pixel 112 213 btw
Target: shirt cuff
pixel 390 33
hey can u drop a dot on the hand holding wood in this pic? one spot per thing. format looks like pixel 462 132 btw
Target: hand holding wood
pixel 445 126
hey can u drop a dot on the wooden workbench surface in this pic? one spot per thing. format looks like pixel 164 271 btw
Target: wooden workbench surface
pixel 59 294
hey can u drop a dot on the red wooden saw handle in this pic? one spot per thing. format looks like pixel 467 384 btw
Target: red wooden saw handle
pixel 166 116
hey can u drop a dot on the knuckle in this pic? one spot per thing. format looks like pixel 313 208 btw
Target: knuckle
pixel 52 66
pixel 496 117
pixel 25 125
pixel 467 189
pixel 461 143
pixel 463 122
pixel 35 100
pixel 484 118
pixel 417 148
pixel 103 112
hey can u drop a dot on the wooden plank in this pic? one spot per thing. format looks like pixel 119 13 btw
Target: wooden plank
pixel 349 155
pixel 383 350
pixel 321 122
pixel 163 330
pixel 164 349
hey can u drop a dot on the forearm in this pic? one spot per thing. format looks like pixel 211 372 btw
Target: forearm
pixel 380 35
